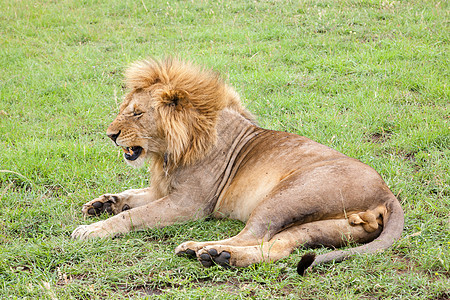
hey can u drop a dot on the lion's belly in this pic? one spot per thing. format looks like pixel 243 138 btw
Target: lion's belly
pixel 245 193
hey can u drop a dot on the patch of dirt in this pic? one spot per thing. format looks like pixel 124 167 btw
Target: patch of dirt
pixel 144 290
pixel 231 286
pixel 411 156
pixel 443 296
pixel 379 138
pixel 55 190
pixel 151 291
pixel 406 261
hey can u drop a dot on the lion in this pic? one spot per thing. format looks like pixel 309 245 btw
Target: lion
pixel 208 157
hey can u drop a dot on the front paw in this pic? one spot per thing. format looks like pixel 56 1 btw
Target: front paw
pixel 96 230
pixel 188 249
pixel 111 204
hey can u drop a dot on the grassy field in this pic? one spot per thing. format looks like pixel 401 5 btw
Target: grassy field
pixel 366 77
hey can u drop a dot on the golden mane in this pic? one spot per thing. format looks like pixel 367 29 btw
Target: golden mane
pixel 187 100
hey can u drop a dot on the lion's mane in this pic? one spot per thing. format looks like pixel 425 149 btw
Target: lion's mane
pixel 187 100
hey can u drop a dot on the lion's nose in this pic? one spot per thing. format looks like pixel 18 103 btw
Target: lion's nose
pixel 113 136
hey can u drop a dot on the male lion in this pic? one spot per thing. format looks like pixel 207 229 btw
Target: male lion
pixel 208 157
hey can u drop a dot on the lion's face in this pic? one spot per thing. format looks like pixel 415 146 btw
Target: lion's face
pixel 135 129
pixel 171 111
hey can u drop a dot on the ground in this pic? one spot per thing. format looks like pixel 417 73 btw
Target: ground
pixel 366 77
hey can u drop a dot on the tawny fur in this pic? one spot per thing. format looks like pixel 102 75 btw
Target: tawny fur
pixel 209 158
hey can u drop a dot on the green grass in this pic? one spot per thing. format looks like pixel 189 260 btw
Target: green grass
pixel 366 77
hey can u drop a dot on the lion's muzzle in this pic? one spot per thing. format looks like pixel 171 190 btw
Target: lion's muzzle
pixel 113 136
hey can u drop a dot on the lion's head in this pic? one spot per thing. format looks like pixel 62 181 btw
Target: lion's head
pixel 170 112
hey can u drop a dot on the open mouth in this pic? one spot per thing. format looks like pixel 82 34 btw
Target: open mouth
pixel 132 153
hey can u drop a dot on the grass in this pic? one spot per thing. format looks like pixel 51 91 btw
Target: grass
pixel 366 77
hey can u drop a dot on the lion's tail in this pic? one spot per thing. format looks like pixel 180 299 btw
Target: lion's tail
pixel 392 230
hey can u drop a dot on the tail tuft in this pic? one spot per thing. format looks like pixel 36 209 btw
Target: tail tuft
pixel 392 230
pixel 305 262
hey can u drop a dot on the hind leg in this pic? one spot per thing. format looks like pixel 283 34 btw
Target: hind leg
pixel 330 233
pixel 263 224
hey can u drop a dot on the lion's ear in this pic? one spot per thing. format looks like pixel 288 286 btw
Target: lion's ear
pixel 174 97
pixel 178 122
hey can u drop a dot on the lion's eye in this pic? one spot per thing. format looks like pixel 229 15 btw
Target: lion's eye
pixel 136 113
